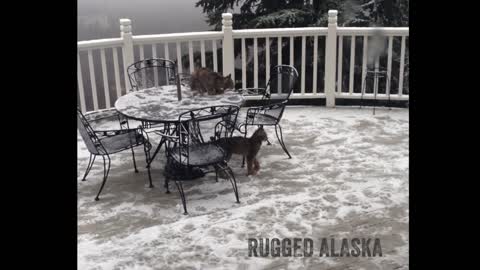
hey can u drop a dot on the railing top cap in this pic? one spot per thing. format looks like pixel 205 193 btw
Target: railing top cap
pixel 332 13
pixel 125 21
pixel 227 16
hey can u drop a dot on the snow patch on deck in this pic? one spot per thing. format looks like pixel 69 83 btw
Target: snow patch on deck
pixel 348 177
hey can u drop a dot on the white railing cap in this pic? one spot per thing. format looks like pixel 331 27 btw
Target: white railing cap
pixel 99 43
pixel 332 13
pixel 125 21
pixel 272 32
pixel 206 35
pixel 227 16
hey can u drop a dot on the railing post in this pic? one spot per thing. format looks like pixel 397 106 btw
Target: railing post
pixel 127 49
pixel 227 50
pixel 330 57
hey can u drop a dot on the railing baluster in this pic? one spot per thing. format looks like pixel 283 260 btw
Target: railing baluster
pixel 315 64
pixel 142 53
pixel 80 85
pixel 352 65
pixel 105 78
pixel 92 80
pixel 142 56
pixel 279 47
pixel 154 50
pixel 302 88
pixel 155 70
pixel 244 65
pixel 116 70
pixel 267 60
pixel 291 51
pixel 190 56
pixel 125 71
pixel 214 49
pixel 167 56
pixel 279 60
pixel 339 64
pixel 202 52
pixel 255 63
pixel 179 58
pixel 375 81
pixel 389 65
pixel 364 62
pixel 402 67
pixel 166 50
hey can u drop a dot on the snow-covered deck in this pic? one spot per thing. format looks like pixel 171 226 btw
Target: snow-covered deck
pixel 348 178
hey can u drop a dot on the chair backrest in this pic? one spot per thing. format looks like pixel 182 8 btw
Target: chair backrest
pixel 199 126
pixel 91 140
pixel 282 80
pixel 153 72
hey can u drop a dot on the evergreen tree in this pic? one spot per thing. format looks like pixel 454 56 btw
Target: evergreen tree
pixel 301 13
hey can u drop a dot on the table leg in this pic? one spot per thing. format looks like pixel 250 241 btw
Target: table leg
pixel 162 141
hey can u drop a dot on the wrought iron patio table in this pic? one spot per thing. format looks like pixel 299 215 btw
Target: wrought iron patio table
pixel 160 105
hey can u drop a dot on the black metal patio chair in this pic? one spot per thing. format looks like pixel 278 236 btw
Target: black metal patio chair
pixel 191 152
pixel 152 72
pixel 106 142
pixel 274 98
pixel 375 75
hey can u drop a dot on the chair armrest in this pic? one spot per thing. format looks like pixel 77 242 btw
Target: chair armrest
pixel 114 132
pixel 256 109
pixel 138 135
pixel 172 138
pixel 105 115
pixel 253 111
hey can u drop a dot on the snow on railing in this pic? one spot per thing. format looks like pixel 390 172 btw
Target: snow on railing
pixel 321 62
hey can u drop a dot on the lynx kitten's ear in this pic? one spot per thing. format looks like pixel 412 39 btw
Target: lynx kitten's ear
pixel 229 76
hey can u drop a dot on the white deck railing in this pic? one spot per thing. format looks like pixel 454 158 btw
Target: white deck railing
pixel 324 47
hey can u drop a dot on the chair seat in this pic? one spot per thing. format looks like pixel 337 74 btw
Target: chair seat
pixel 176 172
pixel 121 142
pixel 201 155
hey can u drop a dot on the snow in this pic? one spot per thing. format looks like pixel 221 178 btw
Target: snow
pixel 348 177
pixel 161 104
